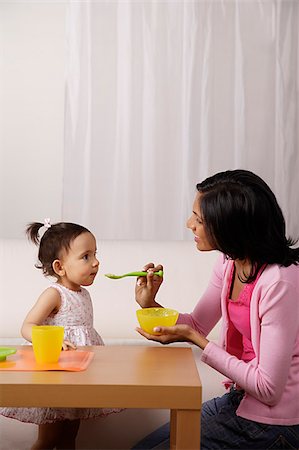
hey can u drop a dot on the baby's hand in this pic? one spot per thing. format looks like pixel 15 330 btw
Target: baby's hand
pixel 68 345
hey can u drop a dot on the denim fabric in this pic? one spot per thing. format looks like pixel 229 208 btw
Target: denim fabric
pixel 158 439
pixel 222 429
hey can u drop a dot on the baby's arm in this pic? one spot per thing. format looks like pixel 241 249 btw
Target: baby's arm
pixel 49 301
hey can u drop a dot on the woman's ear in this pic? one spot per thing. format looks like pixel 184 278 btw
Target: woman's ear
pixel 58 267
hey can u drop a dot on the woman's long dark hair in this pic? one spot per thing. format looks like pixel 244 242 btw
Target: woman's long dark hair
pixel 56 238
pixel 244 221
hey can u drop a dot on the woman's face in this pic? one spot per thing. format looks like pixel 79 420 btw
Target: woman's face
pixel 196 225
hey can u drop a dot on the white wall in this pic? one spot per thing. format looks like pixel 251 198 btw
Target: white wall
pixel 31 112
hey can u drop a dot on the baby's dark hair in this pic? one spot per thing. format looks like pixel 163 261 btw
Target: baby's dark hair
pixel 57 238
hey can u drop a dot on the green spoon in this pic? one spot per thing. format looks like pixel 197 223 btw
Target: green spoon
pixel 132 274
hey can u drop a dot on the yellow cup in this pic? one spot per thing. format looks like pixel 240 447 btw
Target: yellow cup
pixel 47 343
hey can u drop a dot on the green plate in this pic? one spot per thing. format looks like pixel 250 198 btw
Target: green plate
pixel 6 351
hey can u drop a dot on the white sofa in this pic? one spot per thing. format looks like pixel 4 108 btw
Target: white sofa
pixel 186 274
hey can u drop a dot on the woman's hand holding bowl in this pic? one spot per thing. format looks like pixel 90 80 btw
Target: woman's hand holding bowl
pixel 177 333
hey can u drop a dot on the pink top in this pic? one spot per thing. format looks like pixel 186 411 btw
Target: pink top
pixel 270 379
pixel 239 314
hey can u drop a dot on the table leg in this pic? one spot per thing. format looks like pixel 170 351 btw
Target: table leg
pixel 185 429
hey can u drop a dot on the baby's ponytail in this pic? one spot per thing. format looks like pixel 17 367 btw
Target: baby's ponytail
pixel 32 232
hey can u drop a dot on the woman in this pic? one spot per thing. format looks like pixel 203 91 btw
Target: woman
pixel 254 288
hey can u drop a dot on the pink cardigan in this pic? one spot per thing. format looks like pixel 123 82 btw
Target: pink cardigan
pixel 271 379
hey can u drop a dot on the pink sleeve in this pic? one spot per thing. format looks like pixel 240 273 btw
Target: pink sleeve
pixel 207 312
pixel 266 379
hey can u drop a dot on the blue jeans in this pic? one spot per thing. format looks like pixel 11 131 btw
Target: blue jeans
pixel 222 429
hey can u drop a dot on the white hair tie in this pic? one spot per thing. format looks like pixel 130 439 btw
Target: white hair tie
pixel 47 223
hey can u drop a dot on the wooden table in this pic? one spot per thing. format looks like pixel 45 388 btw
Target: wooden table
pixel 123 377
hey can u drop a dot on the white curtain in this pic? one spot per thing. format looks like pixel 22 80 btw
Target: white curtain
pixel 161 94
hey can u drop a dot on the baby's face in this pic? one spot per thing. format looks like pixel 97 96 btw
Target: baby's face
pixel 79 262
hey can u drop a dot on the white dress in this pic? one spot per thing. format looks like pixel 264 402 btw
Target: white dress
pixel 76 316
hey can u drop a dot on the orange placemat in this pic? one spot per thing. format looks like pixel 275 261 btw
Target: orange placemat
pixel 71 360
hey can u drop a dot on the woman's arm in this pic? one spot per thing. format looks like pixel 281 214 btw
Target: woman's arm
pixel 195 326
pixel 207 311
pixel 264 377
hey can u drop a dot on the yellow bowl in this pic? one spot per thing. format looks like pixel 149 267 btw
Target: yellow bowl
pixel 149 318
